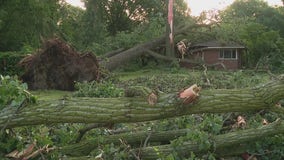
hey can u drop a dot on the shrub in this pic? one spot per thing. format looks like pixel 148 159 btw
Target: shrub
pixel 9 61
pixel 13 92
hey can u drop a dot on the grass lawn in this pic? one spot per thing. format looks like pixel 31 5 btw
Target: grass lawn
pixel 45 95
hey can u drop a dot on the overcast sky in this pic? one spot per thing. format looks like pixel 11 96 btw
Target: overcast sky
pixel 197 6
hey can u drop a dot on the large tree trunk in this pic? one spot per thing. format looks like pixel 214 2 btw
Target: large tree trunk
pixel 137 109
pixel 122 58
pixel 219 143
pixel 128 55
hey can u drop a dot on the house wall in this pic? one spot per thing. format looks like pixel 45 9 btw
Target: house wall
pixel 211 56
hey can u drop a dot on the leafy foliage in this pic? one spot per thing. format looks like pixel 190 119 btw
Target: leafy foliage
pixel 127 39
pixel 263 45
pixel 7 143
pixel 268 147
pixel 23 22
pixel 9 61
pixel 71 24
pixel 175 82
pixel 14 93
pixel 95 89
pixel 259 27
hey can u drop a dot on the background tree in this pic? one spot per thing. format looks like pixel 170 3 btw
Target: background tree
pixel 123 18
pixel 24 22
pixel 93 22
pixel 259 27
pixel 70 24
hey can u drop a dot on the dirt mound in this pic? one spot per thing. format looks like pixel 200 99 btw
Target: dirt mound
pixel 58 66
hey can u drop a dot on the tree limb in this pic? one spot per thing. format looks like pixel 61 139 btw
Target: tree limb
pixel 84 130
pixel 221 142
pixel 86 146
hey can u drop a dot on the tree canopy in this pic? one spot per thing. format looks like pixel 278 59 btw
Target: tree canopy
pixel 24 22
pixel 259 27
pixel 108 25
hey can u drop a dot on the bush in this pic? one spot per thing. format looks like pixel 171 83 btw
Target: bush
pixel 14 93
pixel 9 61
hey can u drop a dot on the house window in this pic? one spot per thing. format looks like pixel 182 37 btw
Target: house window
pixel 228 54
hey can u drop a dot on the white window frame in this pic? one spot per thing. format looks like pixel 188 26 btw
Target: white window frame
pixel 229 54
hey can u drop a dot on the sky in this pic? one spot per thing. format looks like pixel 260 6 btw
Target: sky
pixel 77 3
pixel 197 6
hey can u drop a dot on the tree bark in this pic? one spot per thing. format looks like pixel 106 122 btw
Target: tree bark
pixel 122 58
pixel 137 109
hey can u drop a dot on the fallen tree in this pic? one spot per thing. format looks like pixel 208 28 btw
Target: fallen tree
pixel 125 56
pixel 138 109
pixel 219 143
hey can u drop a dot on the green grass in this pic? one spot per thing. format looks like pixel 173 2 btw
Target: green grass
pixel 45 95
pixel 124 76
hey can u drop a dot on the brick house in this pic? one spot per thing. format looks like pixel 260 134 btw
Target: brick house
pixel 215 52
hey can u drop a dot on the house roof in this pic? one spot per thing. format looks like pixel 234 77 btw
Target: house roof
pixel 216 44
